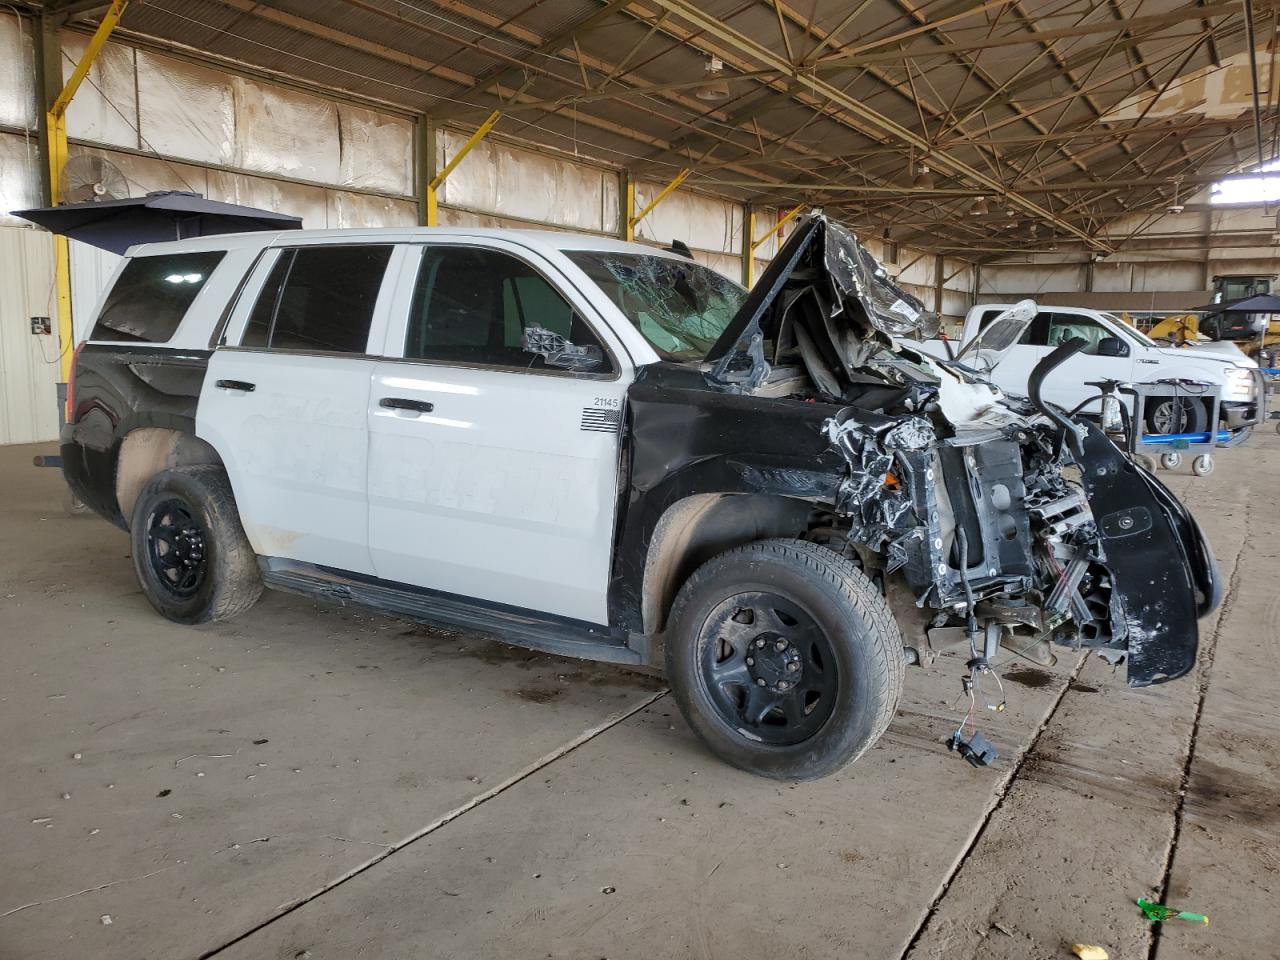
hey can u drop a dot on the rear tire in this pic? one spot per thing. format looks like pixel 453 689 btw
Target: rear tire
pixel 784 659
pixel 190 553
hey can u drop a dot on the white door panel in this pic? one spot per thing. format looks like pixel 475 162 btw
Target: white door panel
pixel 504 491
pixel 296 451
pixel 1067 388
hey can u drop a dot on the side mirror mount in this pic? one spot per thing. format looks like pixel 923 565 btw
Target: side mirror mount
pixel 557 351
pixel 1112 347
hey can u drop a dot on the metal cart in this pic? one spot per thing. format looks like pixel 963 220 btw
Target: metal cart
pixel 1125 425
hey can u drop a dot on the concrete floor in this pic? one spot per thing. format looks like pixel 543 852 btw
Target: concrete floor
pixel 313 781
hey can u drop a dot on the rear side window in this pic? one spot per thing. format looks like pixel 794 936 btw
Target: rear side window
pixel 151 296
pixel 319 299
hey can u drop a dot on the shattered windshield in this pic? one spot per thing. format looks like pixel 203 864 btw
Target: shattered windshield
pixel 679 306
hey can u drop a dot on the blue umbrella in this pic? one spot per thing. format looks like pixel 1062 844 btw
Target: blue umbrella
pixel 116 225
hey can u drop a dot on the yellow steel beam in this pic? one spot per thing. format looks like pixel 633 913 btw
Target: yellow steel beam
pixel 433 213
pixel 678 179
pixel 791 215
pixel 56 131
pixel 758 242
pixel 748 262
pixel 96 43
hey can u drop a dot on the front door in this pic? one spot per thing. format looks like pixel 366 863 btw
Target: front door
pixel 285 405
pixel 1066 386
pixel 493 472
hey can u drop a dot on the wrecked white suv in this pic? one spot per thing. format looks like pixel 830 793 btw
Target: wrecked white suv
pixel 605 450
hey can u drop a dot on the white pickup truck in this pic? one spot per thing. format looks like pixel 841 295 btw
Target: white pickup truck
pixel 1116 351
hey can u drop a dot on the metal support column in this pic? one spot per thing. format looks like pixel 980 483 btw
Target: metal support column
pixel 426 165
pixel 938 281
pixel 665 192
pixel 748 247
pixel 755 244
pixel 432 211
pixel 54 130
pixel 626 206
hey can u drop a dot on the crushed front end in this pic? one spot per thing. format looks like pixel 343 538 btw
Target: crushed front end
pixel 988 520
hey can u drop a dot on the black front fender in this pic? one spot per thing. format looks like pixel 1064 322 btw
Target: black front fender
pixel 1163 571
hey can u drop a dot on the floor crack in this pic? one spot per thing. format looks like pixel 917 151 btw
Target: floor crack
pixel 1207 656
pixel 587 735
pixel 993 806
pixel 101 886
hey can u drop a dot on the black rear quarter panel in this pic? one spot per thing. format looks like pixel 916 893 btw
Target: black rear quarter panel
pixel 119 388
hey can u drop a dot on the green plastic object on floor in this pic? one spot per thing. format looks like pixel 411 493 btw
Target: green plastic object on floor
pixel 1156 912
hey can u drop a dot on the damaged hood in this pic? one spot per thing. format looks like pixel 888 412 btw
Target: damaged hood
pixel 825 294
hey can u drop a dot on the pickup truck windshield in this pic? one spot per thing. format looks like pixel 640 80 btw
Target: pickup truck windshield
pixel 679 306
pixel 1131 331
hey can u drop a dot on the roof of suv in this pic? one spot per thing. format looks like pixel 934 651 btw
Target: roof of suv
pixel 538 239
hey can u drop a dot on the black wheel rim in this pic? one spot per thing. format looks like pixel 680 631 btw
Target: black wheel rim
pixel 175 548
pixel 768 668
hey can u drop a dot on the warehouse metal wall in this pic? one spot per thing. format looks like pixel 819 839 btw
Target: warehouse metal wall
pixel 28 363
pixel 170 124
pixel 1164 262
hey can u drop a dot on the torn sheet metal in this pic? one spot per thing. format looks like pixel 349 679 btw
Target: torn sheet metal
pixel 934 475
pixel 856 276
pixel 826 302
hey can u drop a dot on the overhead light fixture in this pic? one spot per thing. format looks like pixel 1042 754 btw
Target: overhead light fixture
pixel 924 179
pixel 716 87
pixel 980 208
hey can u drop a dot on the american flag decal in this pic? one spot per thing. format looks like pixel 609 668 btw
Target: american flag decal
pixel 601 421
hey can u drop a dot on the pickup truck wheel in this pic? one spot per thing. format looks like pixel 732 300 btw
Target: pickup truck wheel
pixel 189 550
pixel 1176 415
pixel 784 658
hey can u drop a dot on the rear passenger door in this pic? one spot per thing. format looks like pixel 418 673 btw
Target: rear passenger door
pixel 284 400
pixel 493 474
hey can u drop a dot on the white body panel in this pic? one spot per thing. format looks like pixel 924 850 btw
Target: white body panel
pixel 296 446
pixel 498 492
pixel 296 451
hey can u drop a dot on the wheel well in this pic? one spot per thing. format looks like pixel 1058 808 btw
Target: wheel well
pixel 146 451
pixel 695 529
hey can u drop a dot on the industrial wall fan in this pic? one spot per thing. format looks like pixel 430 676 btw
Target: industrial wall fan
pixel 90 177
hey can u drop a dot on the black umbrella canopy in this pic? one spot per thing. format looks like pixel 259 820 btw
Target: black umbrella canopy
pixel 116 225
pixel 1263 303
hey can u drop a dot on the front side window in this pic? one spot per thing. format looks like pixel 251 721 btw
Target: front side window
pixel 679 306
pixel 152 295
pixel 319 299
pixel 473 306
pixel 1067 326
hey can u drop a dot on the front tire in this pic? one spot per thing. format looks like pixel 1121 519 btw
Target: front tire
pixel 190 553
pixel 784 659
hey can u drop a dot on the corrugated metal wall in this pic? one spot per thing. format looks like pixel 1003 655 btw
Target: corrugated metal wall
pixel 28 364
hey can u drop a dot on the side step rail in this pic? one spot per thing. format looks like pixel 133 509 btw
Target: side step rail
pixel 547 633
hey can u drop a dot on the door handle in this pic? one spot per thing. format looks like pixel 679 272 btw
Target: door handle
pixel 403 403
pixel 243 385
